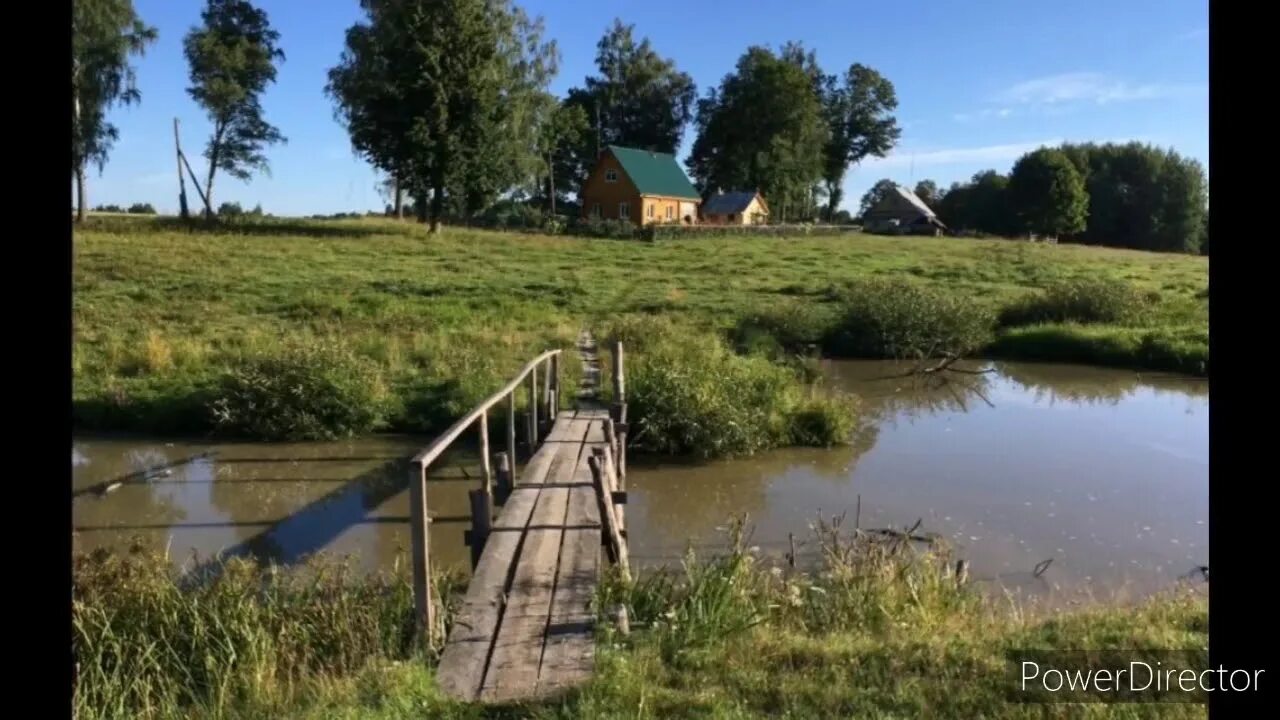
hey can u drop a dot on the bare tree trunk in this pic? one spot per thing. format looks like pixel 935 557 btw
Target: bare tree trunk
pixel 213 167
pixel 551 184
pixel 420 206
pixel 399 200
pixel 81 208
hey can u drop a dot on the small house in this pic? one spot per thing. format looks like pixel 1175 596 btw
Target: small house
pixel 640 186
pixel 735 208
pixel 902 212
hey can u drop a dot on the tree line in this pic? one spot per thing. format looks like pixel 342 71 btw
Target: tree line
pixel 449 100
pixel 1130 195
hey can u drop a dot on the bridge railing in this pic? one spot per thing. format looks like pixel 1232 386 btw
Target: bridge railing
pixel 425 615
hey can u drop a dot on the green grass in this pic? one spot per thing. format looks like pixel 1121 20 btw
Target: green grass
pixel 870 631
pixel 163 312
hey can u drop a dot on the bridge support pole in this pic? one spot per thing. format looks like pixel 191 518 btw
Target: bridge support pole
pixel 503 485
pixel 481 523
pixel 511 435
pixel 531 432
pixel 424 610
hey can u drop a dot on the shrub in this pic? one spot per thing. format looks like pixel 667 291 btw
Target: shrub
pixel 142 209
pixel 899 319
pixel 601 228
pixel 1172 349
pixel 309 391
pixel 1084 300
pixel 677 231
pixel 230 210
pixel 689 394
pixel 790 328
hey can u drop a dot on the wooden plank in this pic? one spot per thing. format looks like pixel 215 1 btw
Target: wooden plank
pixel 595 434
pixel 462 666
pixel 517 649
pixel 568 657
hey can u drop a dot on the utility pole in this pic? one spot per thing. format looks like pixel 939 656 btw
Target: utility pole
pixel 182 185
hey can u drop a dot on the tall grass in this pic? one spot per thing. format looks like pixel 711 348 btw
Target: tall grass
pixel 1082 300
pixel 150 643
pixel 689 394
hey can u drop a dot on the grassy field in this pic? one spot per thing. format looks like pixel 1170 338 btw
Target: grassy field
pixel 161 311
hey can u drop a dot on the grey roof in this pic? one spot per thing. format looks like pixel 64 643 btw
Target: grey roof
pixel 914 200
pixel 730 202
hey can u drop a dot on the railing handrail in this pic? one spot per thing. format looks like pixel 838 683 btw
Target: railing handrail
pixel 442 442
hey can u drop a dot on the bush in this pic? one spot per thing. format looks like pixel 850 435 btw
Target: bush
pixel 676 231
pixel 142 209
pixel 1172 349
pixel 230 210
pixel 109 209
pixel 601 228
pixel 315 391
pixel 689 394
pixel 1084 301
pixel 899 319
pixel 792 328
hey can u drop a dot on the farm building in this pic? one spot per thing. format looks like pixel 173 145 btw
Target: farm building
pixel 902 212
pixel 641 186
pixel 735 208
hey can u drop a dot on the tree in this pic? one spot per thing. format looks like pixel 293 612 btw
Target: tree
pixel 563 126
pixel 762 129
pixel 141 209
pixel 104 35
pixel 443 95
pixel 859 114
pixel 873 196
pixel 232 57
pixel 637 99
pixel 927 191
pixel 1047 194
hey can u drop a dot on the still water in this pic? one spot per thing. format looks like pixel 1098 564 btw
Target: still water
pixel 1104 471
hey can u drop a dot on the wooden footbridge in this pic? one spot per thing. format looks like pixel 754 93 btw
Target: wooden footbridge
pixel 526 626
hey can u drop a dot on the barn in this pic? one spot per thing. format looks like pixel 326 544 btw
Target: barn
pixel 902 212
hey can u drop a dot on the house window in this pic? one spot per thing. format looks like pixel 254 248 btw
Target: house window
pixel 595 210
pixel 730 217
pixel 624 210
pixel 671 213
pixel 649 212
pixel 611 175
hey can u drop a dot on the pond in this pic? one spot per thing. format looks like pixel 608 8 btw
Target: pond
pixel 1104 472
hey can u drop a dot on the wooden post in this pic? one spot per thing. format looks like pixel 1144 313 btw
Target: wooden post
pixel 612 482
pixel 962 572
pixel 424 613
pixel 511 435
pixel 533 410
pixel 548 413
pixel 481 523
pixel 621 433
pixel 486 470
pixel 619 382
pixel 604 499
pixel 183 212
pixel 502 491
pixel 791 558
pixel 609 436
pixel 555 383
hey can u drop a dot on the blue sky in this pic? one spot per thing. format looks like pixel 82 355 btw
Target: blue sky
pixel 978 84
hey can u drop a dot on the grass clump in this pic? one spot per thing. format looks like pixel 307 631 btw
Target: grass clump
pixel 901 319
pixel 308 391
pixel 1183 350
pixel 151 643
pixel 1082 300
pixel 689 394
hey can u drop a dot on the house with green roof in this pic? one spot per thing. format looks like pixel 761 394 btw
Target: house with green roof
pixel 639 186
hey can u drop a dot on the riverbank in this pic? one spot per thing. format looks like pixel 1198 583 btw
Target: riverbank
pixel 869 631
pixel 408 331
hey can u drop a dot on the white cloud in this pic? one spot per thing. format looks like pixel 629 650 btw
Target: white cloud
pixel 986 114
pixel 952 156
pixel 1086 87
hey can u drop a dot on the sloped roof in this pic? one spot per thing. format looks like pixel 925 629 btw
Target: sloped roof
pixel 914 200
pixel 730 202
pixel 655 173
